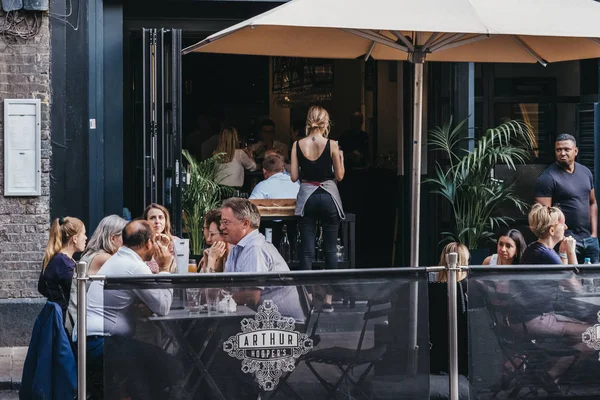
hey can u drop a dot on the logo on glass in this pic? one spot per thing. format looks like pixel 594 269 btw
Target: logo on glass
pixel 591 336
pixel 268 345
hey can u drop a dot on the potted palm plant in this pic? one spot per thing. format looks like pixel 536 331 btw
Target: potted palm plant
pixel 467 182
pixel 201 194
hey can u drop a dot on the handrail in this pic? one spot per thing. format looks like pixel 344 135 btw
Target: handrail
pixel 278 278
pixel 81 330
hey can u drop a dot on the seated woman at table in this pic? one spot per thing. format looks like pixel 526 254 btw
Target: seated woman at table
pixel 213 258
pixel 534 299
pixel 510 248
pixel 67 236
pixel 105 242
pixel 438 317
pixel 233 160
pixel 159 219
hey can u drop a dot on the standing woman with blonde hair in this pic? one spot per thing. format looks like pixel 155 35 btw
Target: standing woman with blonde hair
pixel 318 162
pixel 233 161
pixel 67 236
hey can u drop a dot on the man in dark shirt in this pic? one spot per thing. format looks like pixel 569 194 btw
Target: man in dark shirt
pixel 570 186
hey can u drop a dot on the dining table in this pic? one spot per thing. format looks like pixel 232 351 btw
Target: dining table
pixel 181 327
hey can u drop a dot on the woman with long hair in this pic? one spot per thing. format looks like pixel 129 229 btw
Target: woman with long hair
pixel 318 162
pixel 438 317
pixel 233 160
pixel 105 242
pixel 159 218
pixel 67 236
pixel 463 260
pixel 510 248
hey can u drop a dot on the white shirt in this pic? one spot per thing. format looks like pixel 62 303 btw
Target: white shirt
pixel 278 186
pixel 114 312
pixel 232 173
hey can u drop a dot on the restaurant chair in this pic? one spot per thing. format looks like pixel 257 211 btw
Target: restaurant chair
pixel 347 359
pixel 526 357
pixel 311 321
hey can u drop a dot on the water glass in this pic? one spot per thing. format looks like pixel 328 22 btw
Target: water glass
pixel 193 300
pixel 212 300
pixel 588 285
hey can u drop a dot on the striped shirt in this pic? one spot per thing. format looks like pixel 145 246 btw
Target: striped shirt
pixel 254 254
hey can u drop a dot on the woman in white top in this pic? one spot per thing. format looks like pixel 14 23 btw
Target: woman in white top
pixel 233 161
pixel 511 246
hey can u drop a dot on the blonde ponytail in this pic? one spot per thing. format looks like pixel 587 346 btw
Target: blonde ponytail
pixel 317 119
pixel 62 231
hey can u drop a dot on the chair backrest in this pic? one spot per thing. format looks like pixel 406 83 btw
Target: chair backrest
pixel 311 316
pixel 500 308
pixel 376 308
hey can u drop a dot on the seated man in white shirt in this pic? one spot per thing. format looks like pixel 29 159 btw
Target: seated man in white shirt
pixel 112 314
pixel 277 184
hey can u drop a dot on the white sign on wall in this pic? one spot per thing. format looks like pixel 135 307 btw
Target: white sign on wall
pixel 22 147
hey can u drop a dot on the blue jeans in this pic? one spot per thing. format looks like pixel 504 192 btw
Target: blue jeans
pixel 319 207
pixel 588 248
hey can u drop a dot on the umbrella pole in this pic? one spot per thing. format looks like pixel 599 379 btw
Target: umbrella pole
pixel 413 348
pixel 415 190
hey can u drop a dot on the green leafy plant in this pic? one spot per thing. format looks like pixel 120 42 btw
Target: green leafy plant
pixel 202 194
pixel 468 183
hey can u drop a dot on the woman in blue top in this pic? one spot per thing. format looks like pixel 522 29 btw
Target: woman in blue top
pixel 67 236
pixel 534 300
pixel 548 225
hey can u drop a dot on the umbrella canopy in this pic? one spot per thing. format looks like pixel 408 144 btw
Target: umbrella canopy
pixel 448 30
pixel 523 31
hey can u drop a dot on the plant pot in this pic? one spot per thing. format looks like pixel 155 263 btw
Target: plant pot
pixel 478 255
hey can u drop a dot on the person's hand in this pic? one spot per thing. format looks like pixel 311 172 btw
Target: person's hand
pixel 217 250
pixel 568 245
pixel 162 239
pixel 163 257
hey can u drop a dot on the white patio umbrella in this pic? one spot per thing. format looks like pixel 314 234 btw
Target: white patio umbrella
pixel 523 31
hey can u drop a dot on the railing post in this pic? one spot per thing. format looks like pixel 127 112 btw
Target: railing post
pixel 81 329
pixel 452 267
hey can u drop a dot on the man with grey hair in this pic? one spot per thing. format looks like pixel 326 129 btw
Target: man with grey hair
pixel 251 252
pixel 570 186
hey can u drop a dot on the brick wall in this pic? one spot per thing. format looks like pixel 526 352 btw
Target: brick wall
pixel 24 221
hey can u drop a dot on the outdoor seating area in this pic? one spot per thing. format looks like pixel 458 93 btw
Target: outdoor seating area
pixel 365 352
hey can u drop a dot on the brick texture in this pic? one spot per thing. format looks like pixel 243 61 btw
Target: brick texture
pixel 24 221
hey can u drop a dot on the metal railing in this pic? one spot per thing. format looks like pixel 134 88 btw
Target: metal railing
pixel 308 278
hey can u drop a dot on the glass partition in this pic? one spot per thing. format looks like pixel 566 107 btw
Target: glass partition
pixel 241 336
pixel 534 332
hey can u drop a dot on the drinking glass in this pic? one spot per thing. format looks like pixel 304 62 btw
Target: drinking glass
pixel 193 300
pixel 192 266
pixel 228 299
pixel 212 300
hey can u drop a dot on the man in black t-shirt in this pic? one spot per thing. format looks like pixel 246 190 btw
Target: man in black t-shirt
pixel 570 186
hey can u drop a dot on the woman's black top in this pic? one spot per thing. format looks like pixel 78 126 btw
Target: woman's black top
pixel 55 280
pixel 319 170
pixel 438 327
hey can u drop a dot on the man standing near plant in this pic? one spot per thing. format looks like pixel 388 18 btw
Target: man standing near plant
pixel 570 186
